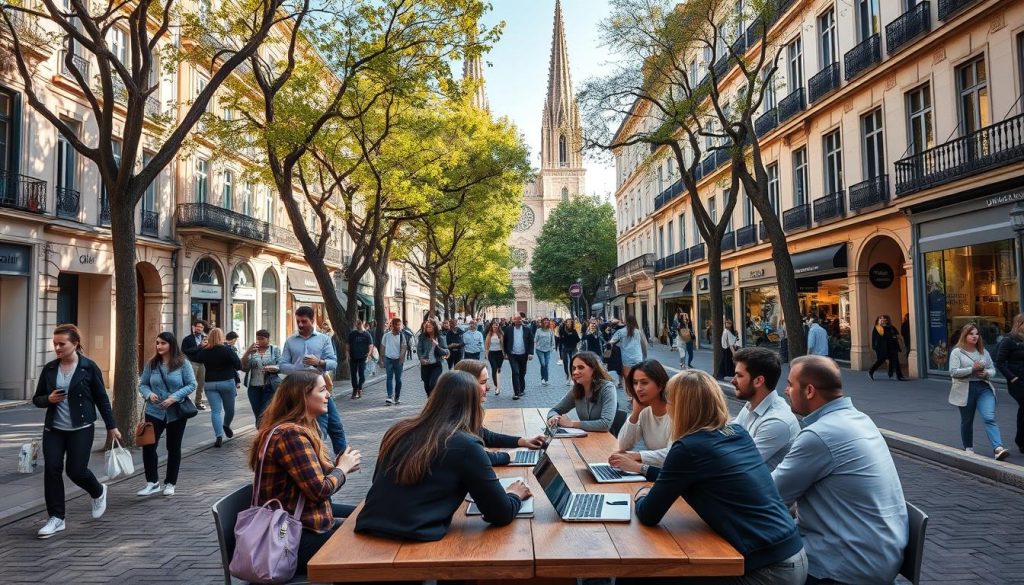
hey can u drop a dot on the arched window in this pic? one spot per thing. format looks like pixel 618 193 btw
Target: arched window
pixel 563 151
pixel 565 193
pixel 242 276
pixel 268 310
pixel 206 272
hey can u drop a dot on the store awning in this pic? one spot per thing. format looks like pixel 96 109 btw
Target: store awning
pixel 677 287
pixel 618 299
pixel 307 298
pixel 827 260
pixel 365 299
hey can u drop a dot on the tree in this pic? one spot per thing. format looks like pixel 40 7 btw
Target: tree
pixel 577 243
pixel 117 97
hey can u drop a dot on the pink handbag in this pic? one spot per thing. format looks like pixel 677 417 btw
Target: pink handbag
pixel 266 537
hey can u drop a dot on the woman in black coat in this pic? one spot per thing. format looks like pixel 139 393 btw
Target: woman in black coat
pixel 885 340
pixel 1010 363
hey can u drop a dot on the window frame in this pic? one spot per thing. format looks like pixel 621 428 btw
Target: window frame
pixel 873 139
pixel 800 176
pixel 925 114
pixel 832 159
pixel 828 46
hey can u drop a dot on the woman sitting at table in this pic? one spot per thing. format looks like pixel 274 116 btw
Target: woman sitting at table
pixel 649 420
pixel 592 395
pixel 478 370
pixel 296 464
pixel 428 463
pixel 716 468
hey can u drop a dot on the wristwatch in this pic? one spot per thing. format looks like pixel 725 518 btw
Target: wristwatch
pixel 644 469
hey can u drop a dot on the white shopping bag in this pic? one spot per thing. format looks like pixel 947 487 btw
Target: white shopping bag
pixel 28 458
pixel 119 461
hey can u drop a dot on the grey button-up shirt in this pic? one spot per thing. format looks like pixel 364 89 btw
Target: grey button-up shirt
pixel 518 344
pixel 297 347
pixel 772 425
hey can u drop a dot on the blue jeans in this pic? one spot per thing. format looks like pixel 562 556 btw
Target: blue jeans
pixel 221 396
pixel 980 397
pixel 330 424
pixel 686 353
pixel 259 398
pixel 544 357
pixel 394 369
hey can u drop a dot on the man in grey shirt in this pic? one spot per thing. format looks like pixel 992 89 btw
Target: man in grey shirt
pixel 313 351
pixel 472 341
pixel 766 416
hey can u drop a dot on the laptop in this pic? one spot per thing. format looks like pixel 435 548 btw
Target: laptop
pixel 604 473
pixel 527 457
pixel 564 433
pixel 525 510
pixel 581 507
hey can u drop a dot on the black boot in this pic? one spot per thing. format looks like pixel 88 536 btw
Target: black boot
pixel 871 374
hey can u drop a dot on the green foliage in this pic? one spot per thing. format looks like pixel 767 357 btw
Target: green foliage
pixel 577 242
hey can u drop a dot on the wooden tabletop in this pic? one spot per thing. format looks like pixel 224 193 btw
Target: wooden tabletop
pixel 541 547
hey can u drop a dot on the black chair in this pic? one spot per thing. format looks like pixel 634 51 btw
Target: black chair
pixel 618 421
pixel 914 553
pixel 225 512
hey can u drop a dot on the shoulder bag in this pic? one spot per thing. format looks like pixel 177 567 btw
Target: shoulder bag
pixel 266 537
pixel 145 434
pixel 185 409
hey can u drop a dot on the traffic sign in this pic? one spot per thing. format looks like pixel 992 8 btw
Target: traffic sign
pixel 575 290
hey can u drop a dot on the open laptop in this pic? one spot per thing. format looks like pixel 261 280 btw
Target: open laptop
pixel 581 507
pixel 564 432
pixel 525 510
pixel 527 457
pixel 604 473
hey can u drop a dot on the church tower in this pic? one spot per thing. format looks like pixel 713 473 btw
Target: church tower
pixel 473 72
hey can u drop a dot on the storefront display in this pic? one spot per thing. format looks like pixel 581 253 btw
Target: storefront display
pixel 676 296
pixel 703 317
pixel 828 300
pixel 206 293
pixel 762 310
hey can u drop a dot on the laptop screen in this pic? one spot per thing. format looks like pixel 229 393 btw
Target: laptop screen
pixel 554 486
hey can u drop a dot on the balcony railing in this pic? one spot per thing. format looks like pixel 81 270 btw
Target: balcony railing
pixel 762 232
pixel 707 165
pixel 695 253
pixel 754 31
pixel 766 122
pixel 722 157
pixel 722 67
pixel 824 82
pixel 729 241
pixel 860 58
pixel 746 236
pixel 871 192
pixel 791 105
pixel 797 218
pixel 153 108
pixel 640 264
pixel 829 207
pixel 149 223
pixel 907 27
pixel 668 195
pixel 68 202
pixel 22 192
pixel 739 46
pixel 671 261
pixel 78 62
pixel 206 215
pixel 991 147
pixel 949 8
pixel 104 211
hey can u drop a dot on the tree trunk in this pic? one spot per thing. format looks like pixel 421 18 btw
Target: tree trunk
pixel 432 295
pixel 126 352
pixel 715 290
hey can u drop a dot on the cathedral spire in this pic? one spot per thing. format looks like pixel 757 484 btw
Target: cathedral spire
pixel 562 138
pixel 473 74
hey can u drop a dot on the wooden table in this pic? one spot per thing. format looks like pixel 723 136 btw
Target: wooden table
pixel 542 548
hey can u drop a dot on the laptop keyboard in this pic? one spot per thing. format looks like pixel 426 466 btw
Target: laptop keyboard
pixel 525 457
pixel 587 506
pixel 605 472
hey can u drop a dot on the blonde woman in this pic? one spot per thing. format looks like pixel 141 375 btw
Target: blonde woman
pixel 716 468
pixel 222 365
pixel 971 369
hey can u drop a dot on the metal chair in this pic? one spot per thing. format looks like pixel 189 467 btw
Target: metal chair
pixel 618 421
pixel 914 553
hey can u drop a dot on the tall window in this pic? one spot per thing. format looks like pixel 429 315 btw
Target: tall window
pixel 228 190
pixel 671 169
pixel 682 231
pixel 833 147
pixel 919 119
pixel 149 197
pixel 117 39
pixel 565 193
pixel 827 35
pixel 799 177
pixel 773 186
pixel 795 65
pixel 202 180
pixel 671 237
pixel 67 162
pixel 713 210
pixel 563 151
pixel 770 100
pixel 874 144
pixel 661 179
pixel 115 146
pixel 247 198
pixel 748 212
pixel 7 125
pixel 972 83
pixel 201 82
pixel 868 22
pixel 268 205
pixel 661 242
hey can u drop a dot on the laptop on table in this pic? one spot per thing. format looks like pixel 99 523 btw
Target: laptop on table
pixel 604 473
pixel 527 457
pixel 580 507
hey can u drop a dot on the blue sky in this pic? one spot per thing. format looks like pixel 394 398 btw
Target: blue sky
pixel 516 69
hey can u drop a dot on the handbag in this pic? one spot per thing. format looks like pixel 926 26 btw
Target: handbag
pixel 28 457
pixel 266 537
pixel 184 409
pixel 119 461
pixel 686 335
pixel 145 433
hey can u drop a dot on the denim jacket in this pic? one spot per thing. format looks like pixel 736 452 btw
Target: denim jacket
pixel 182 383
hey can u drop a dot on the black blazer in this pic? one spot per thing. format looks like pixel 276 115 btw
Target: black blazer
pixel 189 347
pixel 527 340
pixel 86 394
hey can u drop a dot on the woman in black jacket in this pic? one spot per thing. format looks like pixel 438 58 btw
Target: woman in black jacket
pixel 1010 363
pixel 885 340
pixel 222 365
pixel 593 341
pixel 569 340
pixel 71 390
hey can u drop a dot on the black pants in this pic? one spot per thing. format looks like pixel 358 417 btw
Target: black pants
pixel 454 357
pixel 1017 392
pixel 357 369
pixel 259 398
pixel 69 449
pixel 175 433
pixel 310 542
pixel 518 363
pixel 496 359
pixel 892 355
pixel 429 374
pixel 471 356
pixel 567 354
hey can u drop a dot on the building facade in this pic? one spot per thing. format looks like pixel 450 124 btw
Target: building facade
pixel 894 161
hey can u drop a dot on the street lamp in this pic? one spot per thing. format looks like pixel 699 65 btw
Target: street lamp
pixel 405 293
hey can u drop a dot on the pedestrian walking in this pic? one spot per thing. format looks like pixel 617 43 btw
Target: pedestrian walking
pixel 519 350
pixel 166 381
pixel 222 365
pixel 71 390
pixel 592 340
pixel 885 340
pixel 408 334
pixel 971 369
pixel 260 362
pixel 432 349
pixel 1010 363
pixel 569 341
pixel 544 345
pixel 310 350
pixel 494 343
pixel 730 343
pixel 631 342
pixel 394 345
pixel 817 338
pixel 472 341
pixel 453 339
pixel 190 346
pixel 359 343
pixel 685 336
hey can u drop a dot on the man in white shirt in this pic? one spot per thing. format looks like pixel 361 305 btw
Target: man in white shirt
pixel 518 350
pixel 766 416
pixel 395 345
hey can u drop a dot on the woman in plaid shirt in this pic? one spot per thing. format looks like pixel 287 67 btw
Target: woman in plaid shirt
pixel 297 462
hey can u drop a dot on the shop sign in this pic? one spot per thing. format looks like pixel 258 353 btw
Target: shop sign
pixel 14 259
pixel 703 286
pixel 760 271
pixel 1004 198
pixel 302 280
pixel 208 292
pixel 881 275
pixel 244 293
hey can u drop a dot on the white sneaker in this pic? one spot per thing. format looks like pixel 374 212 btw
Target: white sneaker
pixel 497 391
pixel 559 362
pixel 150 489
pixel 970 450
pixel 99 505
pixel 388 401
pixel 52 526
pixel 168 489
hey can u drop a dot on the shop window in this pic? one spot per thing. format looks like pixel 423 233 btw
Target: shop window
pixel 972 284
pixel 828 301
pixel 762 317
pixel 206 272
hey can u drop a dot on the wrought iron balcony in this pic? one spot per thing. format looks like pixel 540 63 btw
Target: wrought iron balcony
pixel 829 207
pixel 824 82
pixel 729 241
pixel 209 216
pixel 860 58
pixel 754 31
pixel 722 67
pixel 766 122
pixel 797 218
pixel 991 147
pixel 642 265
pixel 707 165
pixel 659 264
pixel 68 202
pixel 949 8
pixel 670 261
pixel 739 46
pixel 871 192
pixel 22 192
pixel 149 223
pixel 791 105
pixel 77 61
pixel 284 237
pixel 722 157
pixel 668 195
pixel 695 253
pixel 153 108
pixel 746 236
pixel 907 27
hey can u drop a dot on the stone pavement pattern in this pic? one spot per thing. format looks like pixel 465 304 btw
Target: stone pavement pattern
pixel 974 534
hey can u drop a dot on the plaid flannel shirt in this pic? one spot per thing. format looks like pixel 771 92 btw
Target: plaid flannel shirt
pixel 291 465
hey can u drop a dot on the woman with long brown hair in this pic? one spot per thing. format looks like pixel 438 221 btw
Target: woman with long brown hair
pixel 632 343
pixel 648 422
pixel 296 468
pixel 478 370
pixel 494 343
pixel 885 340
pixel 432 349
pixel 428 463
pixel 971 369
pixel 592 396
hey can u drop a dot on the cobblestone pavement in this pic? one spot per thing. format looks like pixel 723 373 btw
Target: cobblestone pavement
pixel 974 535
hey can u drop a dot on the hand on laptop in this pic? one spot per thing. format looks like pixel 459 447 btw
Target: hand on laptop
pixel 625 461
pixel 520 490
pixel 532 442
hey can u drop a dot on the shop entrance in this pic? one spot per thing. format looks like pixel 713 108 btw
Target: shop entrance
pixel 149 299
pixel 14 320
pixel 884 283
pixel 206 293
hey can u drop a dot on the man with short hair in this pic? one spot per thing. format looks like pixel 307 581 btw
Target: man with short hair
pixel 850 506
pixel 311 350
pixel 472 341
pixel 190 346
pixel 817 339
pixel 766 416
pixel 359 342
pixel 518 347
pixel 394 345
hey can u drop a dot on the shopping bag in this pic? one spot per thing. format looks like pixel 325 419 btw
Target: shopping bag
pixel 28 459
pixel 119 461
